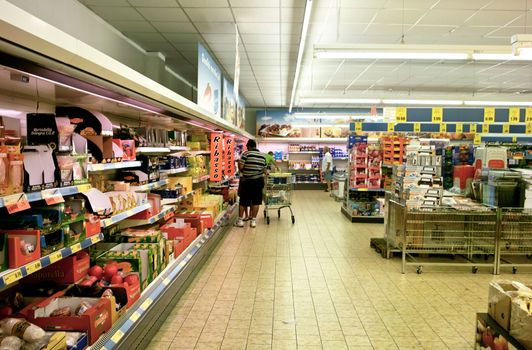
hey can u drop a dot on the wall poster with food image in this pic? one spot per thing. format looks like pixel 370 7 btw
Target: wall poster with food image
pixel 229 103
pixel 310 123
pixel 209 82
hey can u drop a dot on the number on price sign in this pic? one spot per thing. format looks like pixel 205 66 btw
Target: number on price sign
pixel 95 239
pixel 400 114
pixel 485 128
pixel 506 129
pixel 54 257
pixel 459 128
pixel 34 266
pixel 12 277
pixel 391 127
pixel 358 127
pixel 473 128
pixel 529 128
pixel 52 196
pixel 417 127
pixel 168 216
pixel 437 115
pixel 528 115
pixel 443 127
pixel 489 115
pixel 16 203
pixel 513 115
pixel 478 139
pixel 75 248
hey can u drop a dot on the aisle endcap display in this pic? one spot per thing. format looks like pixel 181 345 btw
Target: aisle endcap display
pixel 10 276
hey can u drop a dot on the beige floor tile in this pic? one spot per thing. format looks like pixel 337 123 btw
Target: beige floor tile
pixel 208 346
pixel 334 344
pixel 305 339
pixel 183 343
pixel 259 339
pixel 159 345
pixel 284 344
pixel 234 344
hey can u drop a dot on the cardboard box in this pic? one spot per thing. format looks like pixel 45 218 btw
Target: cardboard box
pixel 15 238
pixel 490 336
pixel 500 300
pixel 66 271
pixel 57 341
pixel 521 321
pixel 95 321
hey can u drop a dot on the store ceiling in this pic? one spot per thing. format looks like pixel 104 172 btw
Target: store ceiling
pixel 270 32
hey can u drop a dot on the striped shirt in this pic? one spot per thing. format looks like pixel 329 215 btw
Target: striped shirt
pixel 254 164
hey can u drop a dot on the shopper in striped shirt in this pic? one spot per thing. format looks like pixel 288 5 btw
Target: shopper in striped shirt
pixel 252 166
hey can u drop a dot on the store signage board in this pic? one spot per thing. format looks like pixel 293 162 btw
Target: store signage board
pixel 489 115
pixel 437 114
pixel 400 114
pixel 217 141
pixel 513 115
pixel 229 103
pixel 209 82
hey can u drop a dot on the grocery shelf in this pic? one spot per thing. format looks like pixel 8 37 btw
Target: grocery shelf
pixel 122 216
pixel 305 152
pixel 166 201
pixel 222 183
pixel 308 182
pixel 371 219
pixel 303 169
pixel 10 276
pixel 132 223
pixel 37 196
pixel 150 186
pixel 199 153
pixel 179 148
pixel 114 166
pixel 137 326
pixel 152 150
pixel 342 140
pixel 360 189
pixel 173 171
pixel 197 180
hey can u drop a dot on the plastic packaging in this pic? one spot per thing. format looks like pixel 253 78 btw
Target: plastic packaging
pixel 22 329
pixel 10 342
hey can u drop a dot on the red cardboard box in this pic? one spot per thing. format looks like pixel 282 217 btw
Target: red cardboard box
pixel 95 321
pixel 15 238
pixel 92 225
pixel 66 271
pixel 179 247
pixel 196 223
pixel 132 292
pixel 176 232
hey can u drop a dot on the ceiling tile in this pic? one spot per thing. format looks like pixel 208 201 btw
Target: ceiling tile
pixel 264 14
pixel 254 3
pixel 395 16
pixel 163 14
pixel 178 38
pixel 493 18
pixel 208 14
pixel 262 47
pixel 146 37
pixel 356 15
pixel 203 3
pixel 291 28
pixel 509 5
pixel 133 26
pixel 105 3
pixel 221 38
pixel 260 39
pixel 174 27
pixel 292 3
pixel 117 13
pixel 292 14
pixel 363 4
pixel 461 4
pixel 215 27
pixel 153 3
pixel 259 28
pixel 446 17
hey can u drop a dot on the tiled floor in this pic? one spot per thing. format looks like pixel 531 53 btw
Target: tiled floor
pixel 318 285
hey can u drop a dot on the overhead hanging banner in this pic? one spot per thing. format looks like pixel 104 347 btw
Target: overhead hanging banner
pixel 229 104
pixel 209 82
pixel 229 159
pixel 217 154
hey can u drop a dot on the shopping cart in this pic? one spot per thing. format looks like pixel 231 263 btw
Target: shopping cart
pixel 278 194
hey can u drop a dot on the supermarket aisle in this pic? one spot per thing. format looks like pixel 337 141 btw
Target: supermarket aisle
pixel 317 284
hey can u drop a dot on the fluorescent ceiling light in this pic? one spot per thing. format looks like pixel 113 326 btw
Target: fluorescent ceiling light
pixel 498 103
pixel 326 101
pixel 391 55
pixel 499 57
pixel 423 102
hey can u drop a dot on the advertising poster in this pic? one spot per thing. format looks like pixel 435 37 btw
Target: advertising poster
pixel 217 155
pixel 229 159
pixel 311 123
pixel 209 82
pixel 229 105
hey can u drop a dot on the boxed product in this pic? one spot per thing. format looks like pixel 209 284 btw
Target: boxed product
pixel 490 336
pixel 91 315
pixel 500 298
pixel 40 169
pixel 76 340
pixel 52 241
pixel 66 271
pixel 23 246
pixel 117 295
pixel 184 181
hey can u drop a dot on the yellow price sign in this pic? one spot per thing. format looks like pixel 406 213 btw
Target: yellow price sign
pixel 513 115
pixel 473 128
pixel 443 127
pixel 144 306
pixel 489 115
pixel 117 336
pixel 437 114
pixel 478 139
pixel 400 114
pixel 391 127
pixel 529 128
pixel 506 128
pixel 485 128
pixel 75 248
pixel 459 128
pixel 54 257
pixel 34 266
pixel 528 115
pixel 358 126
pixel 95 239
pixel 134 317
pixel 417 127
pixel 12 277
pixel 514 139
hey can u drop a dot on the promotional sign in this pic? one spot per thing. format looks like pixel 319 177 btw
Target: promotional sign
pixel 237 65
pixel 229 105
pixel 229 158
pixel 209 82
pixel 217 142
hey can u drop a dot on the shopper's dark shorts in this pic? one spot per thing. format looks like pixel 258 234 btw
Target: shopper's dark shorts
pixel 250 192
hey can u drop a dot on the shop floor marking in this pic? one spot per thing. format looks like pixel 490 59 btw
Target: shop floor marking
pixel 117 336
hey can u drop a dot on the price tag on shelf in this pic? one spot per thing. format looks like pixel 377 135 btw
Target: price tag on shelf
pixel 506 128
pixel 54 257
pixel 117 336
pixel 478 139
pixel 528 115
pixel 95 239
pixel 12 277
pixel 34 266
pixel 529 128
pixel 134 316
pixel 489 115
pixel 514 139
pixel 52 196
pixel 144 306
pixel 166 281
pixel 400 114
pixel 513 115
pixel 16 202
pixel 417 127
pixel 75 248
pixel 459 128
pixel 437 114
pixel 443 127
pixel 485 128
pixel 168 216
pixel 358 127
pixel 472 128
pixel 391 127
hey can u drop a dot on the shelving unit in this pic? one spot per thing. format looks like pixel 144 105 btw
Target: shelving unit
pixel 122 216
pixel 197 180
pixel 168 209
pixel 113 166
pixel 37 196
pixel 150 186
pixel 179 148
pixel 167 201
pixel 153 150
pixel 10 276
pixel 173 171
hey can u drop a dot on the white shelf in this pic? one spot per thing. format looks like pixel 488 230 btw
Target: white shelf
pixel 173 171
pixel 341 141
pixel 37 196
pixel 114 166
pixel 179 148
pixel 151 220
pixel 152 150
pixel 122 216
pixel 149 186
pixel 201 179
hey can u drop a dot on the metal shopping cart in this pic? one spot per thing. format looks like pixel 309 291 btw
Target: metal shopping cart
pixel 278 194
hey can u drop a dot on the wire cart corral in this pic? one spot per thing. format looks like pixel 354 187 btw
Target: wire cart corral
pixel 515 238
pixel 444 236
pixel 278 194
